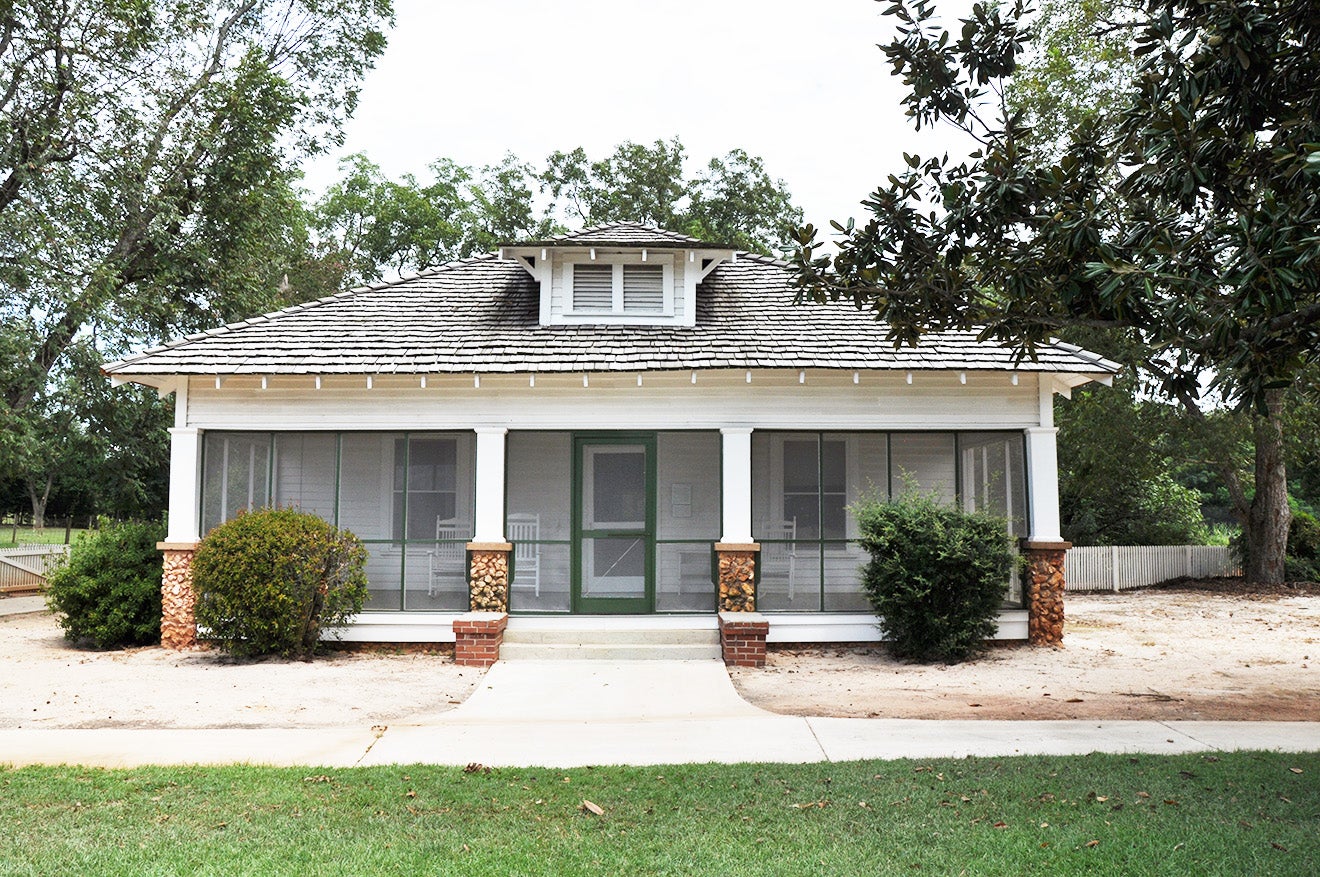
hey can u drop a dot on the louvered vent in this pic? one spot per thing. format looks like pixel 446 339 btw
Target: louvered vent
pixel 643 289
pixel 593 287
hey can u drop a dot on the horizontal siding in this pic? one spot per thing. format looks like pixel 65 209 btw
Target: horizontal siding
pixel 984 403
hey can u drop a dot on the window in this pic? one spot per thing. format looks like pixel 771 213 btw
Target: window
pixel 621 288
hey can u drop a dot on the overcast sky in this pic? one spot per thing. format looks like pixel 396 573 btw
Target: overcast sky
pixel 800 84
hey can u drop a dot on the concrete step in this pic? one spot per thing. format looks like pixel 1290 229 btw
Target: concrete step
pixel 611 636
pixel 515 651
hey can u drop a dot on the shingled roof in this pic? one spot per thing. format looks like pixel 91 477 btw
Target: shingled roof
pixel 629 234
pixel 481 315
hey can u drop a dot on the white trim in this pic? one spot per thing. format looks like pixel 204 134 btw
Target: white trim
pixel 736 450
pixel 490 485
pixel 185 482
pixel 617 313
pixel 826 627
pixel 398 627
pixel 798 627
pixel 1043 484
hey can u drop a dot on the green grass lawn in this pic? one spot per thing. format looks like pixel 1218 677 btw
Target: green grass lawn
pixel 1239 814
pixel 52 535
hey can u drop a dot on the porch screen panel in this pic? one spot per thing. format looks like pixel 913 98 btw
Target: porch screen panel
pixel 786 519
pixel 993 477
pixel 803 485
pixel 366 510
pixel 236 475
pixel 539 522
pixel 366 478
pixel 925 462
pixel 687 520
pixel 305 469
pixel 994 480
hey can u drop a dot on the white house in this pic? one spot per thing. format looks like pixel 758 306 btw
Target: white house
pixel 617 422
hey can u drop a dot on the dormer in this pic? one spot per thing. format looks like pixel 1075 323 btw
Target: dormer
pixel 619 274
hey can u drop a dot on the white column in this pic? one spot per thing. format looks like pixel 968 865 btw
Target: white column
pixel 1043 477
pixel 490 485
pixel 737 485
pixel 185 484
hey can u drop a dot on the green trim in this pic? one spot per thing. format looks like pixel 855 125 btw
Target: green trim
pixel 644 605
pixel 339 472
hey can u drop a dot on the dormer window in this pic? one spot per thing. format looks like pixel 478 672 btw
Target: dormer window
pixel 623 274
pixel 621 285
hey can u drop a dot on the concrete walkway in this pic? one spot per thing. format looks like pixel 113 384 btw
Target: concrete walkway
pixel 22 605
pixel 571 714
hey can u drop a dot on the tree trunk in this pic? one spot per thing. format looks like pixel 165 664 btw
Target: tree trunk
pixel 39 501
pixel 1268 519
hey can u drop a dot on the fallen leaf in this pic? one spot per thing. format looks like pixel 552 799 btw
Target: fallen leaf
pixel 1091 843
pixel 973 704
pixel 1280 847
pixel 1295 769
pixel 476 767
pixel 593 807
pixel 1001 825
pixel 1074 700
pixel 1143 794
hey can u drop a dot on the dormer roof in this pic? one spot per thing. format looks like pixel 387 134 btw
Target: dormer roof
pixel 623 234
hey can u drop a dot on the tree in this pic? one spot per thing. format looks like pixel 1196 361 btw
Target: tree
pixel 733 200
pixel 1202 247
pixel 148 155
pixel 147 152
pixel 367 225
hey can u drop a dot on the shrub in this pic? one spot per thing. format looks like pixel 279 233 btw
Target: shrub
pixel 268 582
pixel 108 594
pixel 937 575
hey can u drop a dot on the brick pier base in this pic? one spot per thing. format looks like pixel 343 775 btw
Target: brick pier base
pixel 742 638
pixel 1045 585
pixel 478 637
pixel 178 627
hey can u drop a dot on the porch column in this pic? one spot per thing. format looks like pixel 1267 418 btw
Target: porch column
pixel 1043 478
pixel 488 553
pixel 490 485
pixel 736 550
pixel 737 485
pixel 1044 549
pixel 178 629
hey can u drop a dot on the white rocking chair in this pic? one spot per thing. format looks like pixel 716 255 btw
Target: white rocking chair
pixel 449 550
pixel 781 556
pixel 524 531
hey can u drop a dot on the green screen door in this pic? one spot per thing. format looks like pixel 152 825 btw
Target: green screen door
pixel 615 542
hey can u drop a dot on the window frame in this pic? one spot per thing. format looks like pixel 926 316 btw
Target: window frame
pixel 618 312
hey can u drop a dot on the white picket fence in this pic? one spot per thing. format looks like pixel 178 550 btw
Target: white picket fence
pixel 1119 567
pixel 24 569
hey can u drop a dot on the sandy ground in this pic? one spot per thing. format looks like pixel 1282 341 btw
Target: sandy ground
pixel 45 683
pixel 1163 654
pixel 1172 653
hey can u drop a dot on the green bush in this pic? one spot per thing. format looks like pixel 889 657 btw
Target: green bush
pixel 937 575
pixel 108 594
pixel 268 582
